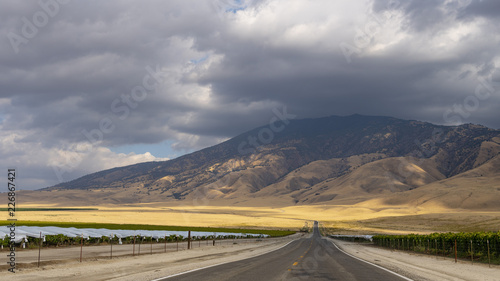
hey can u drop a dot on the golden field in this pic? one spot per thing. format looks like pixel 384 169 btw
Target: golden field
pixel 359 218
pixel 466 202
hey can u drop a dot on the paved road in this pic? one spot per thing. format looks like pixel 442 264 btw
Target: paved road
pixel 313 258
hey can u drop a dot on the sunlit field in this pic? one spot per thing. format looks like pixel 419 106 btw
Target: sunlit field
pixel 338 219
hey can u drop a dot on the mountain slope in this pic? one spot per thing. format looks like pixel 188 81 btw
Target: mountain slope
pixel 332 159
pixel 377 178
pixel 475 189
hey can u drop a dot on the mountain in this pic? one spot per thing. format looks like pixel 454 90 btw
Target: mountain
pixel 334 160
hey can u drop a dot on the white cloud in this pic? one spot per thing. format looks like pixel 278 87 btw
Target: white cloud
pixel 40 166
pixel 226 65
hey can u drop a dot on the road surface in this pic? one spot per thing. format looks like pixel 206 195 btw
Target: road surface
pixel 313 258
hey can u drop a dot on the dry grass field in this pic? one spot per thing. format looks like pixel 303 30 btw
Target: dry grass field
pixel 466 202
pixel 358 218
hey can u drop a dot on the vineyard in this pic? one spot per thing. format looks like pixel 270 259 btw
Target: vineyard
pixel 270 232
pixel 46 246
pixel 39 234
pixel 61 240
pixel 474 246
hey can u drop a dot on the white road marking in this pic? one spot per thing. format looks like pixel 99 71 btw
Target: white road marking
pixel 193 270
pixel 378 266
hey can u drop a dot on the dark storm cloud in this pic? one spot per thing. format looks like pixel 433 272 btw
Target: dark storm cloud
pixel 410 81
pixel 419 15
pixel 225 65
pixel 485 8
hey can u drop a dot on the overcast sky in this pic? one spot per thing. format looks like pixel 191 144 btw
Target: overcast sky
pixel 91 85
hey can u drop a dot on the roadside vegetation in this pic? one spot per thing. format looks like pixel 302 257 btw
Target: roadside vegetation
pixel 473 246
pixel 49 209
pixel 272 233
pixel 61 240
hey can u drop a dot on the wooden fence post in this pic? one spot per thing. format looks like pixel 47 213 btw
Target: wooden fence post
pixel 140 242
pixel 455 250
pixel 489 260
pixel 81 248
pixel 111 243
pixel 436 243
pixel 444 251
pixel 40 247
pixel 471 252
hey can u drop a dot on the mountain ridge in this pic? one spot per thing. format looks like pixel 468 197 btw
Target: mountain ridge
pixel 345 157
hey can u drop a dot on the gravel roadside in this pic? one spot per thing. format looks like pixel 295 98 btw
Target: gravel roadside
pixel 144 267
pixel 148 267
pixel 421 267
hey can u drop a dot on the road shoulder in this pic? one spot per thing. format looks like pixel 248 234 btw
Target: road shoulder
pixel 146 267
pixel 420 267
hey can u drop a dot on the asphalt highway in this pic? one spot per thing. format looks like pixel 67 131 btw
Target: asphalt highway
pixel 313 258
